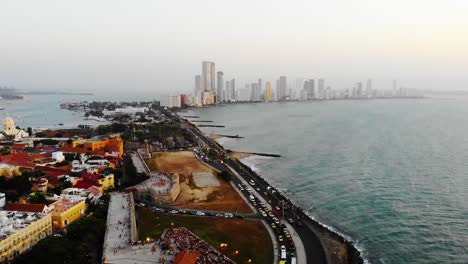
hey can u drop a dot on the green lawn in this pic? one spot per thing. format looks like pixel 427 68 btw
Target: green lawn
pixel 248 237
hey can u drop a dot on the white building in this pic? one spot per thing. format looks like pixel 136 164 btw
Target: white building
pixel 170 101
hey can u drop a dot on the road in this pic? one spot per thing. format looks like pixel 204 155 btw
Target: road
pixel 283 207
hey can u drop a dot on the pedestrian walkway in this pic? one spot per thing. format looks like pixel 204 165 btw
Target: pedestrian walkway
pixel 117 241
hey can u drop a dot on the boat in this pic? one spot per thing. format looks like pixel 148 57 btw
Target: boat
pixel 12 97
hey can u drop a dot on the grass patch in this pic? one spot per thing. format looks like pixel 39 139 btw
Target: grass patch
pixel 249 237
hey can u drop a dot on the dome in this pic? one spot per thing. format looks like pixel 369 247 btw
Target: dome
pixel 8 122
pixel 9 126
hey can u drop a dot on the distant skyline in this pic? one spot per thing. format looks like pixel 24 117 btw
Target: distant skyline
pixel 155 47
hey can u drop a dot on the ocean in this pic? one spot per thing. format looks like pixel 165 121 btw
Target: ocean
pixel 390 175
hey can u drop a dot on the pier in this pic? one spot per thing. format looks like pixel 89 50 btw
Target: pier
pixel 210 125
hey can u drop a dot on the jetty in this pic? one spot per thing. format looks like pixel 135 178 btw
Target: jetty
pixel 260 154
pixel 210 125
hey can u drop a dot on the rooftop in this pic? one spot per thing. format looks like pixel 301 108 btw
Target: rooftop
pixel 38 208
pixel 12 222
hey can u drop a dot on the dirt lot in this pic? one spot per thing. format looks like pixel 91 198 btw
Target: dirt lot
pixel 218 198
pixel 248 237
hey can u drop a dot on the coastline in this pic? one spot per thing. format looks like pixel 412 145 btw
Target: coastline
pixel 338 247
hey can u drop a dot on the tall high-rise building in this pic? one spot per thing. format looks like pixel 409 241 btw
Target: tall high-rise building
pixel 227 92
pixel 198 85
pixel 282 89
pixel 260 84
pixel 254 96
pixel 208 74
pixel 208 79
pixel 219 86
pixel 268 92
pixel 321 89
pixel 233 89
pixel 309 89
pixel 369 88
pixel 359 89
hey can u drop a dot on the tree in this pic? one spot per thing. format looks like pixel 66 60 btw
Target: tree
pixel 37 198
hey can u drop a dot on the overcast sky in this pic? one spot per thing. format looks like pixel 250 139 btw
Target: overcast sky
pixel 157 46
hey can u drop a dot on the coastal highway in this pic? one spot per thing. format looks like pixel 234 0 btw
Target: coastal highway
pixel 302 224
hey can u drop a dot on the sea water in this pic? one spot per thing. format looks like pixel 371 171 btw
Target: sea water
pixel 392 175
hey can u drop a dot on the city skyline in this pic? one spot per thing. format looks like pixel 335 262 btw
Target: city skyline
pixel 155 47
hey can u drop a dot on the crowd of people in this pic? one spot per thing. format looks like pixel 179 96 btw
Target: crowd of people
pixel 182 240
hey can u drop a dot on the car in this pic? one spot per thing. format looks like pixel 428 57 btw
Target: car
pixel 228 215
pixel 200 213
pixel 219 215
pixel 280 238
pixel 263 205
pixel 287 235
pixel 270 214
pixel 174 212
pixel 258 189
pixel 252 183
pixel 277 208
pixel 251 198
pixel 268 187
pixel 273 225
pixel 290 220
pixel 264 214
pixel 277 221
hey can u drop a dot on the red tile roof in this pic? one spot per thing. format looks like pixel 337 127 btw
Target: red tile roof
pixel 186 258
pixel 24 207
pixel 84 184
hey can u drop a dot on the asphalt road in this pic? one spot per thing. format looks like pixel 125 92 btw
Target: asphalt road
pixel 302 224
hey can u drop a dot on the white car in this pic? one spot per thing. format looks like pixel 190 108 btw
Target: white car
pixel 228 215
pixel 200 213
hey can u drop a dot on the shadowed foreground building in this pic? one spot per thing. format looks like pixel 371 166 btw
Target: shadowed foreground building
pixel 19 231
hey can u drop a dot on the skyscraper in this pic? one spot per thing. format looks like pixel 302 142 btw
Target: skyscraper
pixel 208 79
pixel 227 92
pixel 198 85
pixel 369 88
pixel 268 92
pixel 359 90
pixel 309 89
pixel 321 89
pixel 233 89
pixel 282 89
pixel 219 86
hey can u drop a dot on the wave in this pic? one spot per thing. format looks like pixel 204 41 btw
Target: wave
pixel 254 160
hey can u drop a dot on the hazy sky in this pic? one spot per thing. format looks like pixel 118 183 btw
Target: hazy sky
pixel 157 46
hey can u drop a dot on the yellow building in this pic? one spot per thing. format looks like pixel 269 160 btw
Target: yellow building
pixel 110 144
pixel 268 92
pixel 19 231
pixel 65 211
pixel 9 171
pixel 106 181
